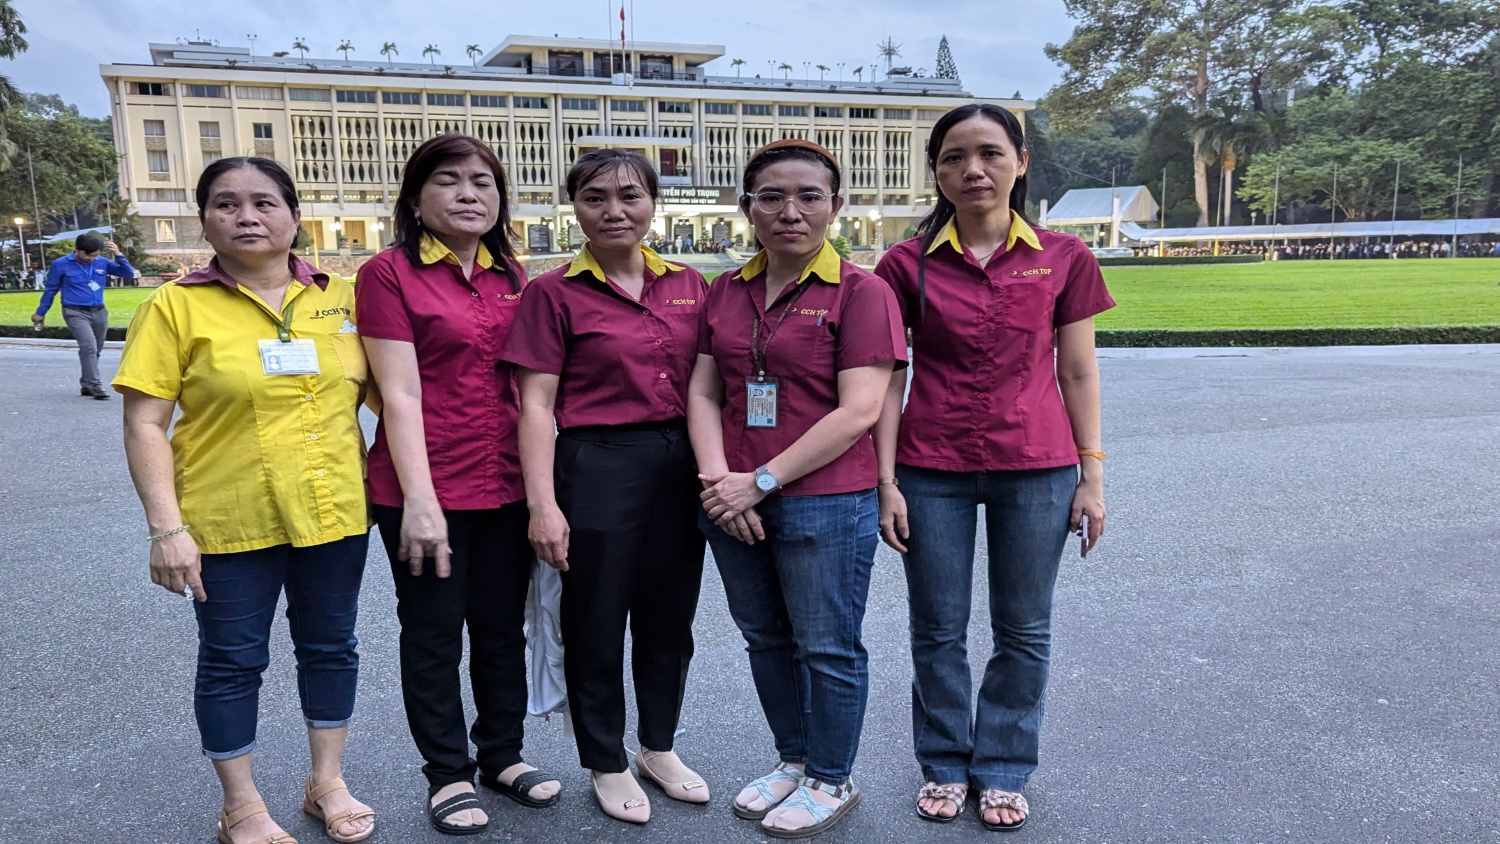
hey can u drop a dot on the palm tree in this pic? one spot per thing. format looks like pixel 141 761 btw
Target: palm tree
pixel 431 50
pixel 786 70
pixel 474 54
pixel 300 46
pixel 822 69
pixel 737 63
pixel 859 72
pixel 346 48
pixel 12 31
pixel 388 49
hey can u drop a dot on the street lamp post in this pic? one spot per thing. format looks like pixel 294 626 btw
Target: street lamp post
pixel 21 243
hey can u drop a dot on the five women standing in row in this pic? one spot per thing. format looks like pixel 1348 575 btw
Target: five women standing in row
pixel 611 414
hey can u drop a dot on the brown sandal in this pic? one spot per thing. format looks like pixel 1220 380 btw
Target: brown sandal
pixel 230 820
pixel 331 823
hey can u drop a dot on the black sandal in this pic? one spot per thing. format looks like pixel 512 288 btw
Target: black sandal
pixel 995 798
pixel 520 788
pixel 440 813
pixel 955 793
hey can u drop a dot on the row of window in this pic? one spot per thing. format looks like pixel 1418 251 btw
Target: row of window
pixel 164 89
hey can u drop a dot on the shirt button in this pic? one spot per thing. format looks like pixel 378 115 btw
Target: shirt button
pixel 475 294
pixel 312 437
pixel 662 376
pixel 321 473
pixel 308 397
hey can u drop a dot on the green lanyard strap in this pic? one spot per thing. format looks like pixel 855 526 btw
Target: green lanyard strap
pixel 284 328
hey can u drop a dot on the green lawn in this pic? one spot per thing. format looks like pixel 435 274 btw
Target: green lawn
pixel 1306 294
pixel 1282 294
pixel 16 308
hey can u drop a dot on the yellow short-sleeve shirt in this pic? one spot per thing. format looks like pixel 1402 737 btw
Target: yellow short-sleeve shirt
pixel 259 460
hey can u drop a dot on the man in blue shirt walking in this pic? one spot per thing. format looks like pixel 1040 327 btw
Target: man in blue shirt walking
pixel 82 277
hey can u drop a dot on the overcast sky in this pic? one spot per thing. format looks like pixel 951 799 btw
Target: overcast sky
pixel 997 52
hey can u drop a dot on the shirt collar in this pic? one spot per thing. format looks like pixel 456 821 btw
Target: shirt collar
pixel 1019 230
pixel 826 265
pixel 300 269
pixel 585 262
pixel 433 250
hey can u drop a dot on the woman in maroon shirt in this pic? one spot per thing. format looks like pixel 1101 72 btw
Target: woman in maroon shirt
pixel 795 353
pixel 990 421
pixel 445 476
pixel 604 346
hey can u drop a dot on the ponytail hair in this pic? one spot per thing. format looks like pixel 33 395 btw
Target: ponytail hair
pixel 944 210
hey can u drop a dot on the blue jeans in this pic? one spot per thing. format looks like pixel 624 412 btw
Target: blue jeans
pixel 1026 522
pixel 799 600
pixel 234 637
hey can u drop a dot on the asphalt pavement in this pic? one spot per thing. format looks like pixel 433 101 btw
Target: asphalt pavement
pixel 1290 633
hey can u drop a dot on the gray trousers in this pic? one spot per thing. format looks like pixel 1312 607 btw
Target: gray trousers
pixel 88 329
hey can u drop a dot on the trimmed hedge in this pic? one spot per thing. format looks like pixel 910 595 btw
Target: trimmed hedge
pixel 1429 335
pixel 1147 261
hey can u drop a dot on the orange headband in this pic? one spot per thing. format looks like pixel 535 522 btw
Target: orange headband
pixel 798 143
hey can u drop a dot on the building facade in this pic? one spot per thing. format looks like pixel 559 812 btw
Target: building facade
pixel 344 129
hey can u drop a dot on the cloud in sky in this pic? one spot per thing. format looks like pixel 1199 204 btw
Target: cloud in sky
pixel 996 43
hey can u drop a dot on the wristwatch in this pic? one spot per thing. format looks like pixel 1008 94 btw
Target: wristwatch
pixel 765 481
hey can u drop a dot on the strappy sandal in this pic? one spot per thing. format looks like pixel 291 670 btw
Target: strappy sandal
pixel 331 823
pixel 693 790
pixel 462 801
pixel 520 788
pixel 994 798
pixel 783 772
pixel 230 820
pixel 955 793
pixel 824 817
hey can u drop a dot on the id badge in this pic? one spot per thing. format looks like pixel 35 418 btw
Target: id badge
pixel 297 357
pixel 760 404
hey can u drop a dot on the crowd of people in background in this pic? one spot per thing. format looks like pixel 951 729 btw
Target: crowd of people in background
pixel 1370 248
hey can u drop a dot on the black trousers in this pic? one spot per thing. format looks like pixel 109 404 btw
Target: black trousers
pixel 635 553
pixel 492 562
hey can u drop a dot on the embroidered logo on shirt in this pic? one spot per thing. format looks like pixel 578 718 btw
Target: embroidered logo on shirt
pixel 1031 273
pixel 348 328
pixel 510 297
pixel 682 301
pixel 327 312
pixel 814 312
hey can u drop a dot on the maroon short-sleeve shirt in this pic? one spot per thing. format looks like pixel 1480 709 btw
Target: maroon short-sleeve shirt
pixel 984 393
pixel 469 403
pixel 620 361
pixel 843 318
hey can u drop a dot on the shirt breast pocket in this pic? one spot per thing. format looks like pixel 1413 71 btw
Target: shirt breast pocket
pixel 804 346
pixel 351 356
pixel 1028 303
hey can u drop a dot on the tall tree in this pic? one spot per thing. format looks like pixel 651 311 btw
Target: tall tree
pixel 474 54
pixel 300 45
pixel 389 49
pixel 1189 54
pixel 430 51
pixel 946 67
pixel 346 48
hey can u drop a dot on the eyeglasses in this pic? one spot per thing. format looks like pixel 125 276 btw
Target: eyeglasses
pixel 772 201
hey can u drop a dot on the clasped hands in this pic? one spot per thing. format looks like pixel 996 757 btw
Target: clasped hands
pixel 729 499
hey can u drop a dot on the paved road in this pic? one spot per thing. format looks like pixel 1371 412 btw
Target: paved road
pixel 1290 633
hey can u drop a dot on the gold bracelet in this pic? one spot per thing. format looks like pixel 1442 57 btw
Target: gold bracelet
pixel 888 482
pixel 1092 452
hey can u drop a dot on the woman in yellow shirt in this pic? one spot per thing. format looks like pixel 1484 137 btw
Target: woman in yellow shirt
pixel 261 485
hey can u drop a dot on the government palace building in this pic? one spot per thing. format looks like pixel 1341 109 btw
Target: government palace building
pixel 344 129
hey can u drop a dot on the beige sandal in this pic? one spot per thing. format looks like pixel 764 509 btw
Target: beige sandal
pixel 994 799
pixel 331 823
pixel 230 820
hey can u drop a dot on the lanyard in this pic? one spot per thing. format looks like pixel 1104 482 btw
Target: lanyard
pixel 757 351
pixel 284 327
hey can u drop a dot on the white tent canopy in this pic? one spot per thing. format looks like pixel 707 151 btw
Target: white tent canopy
pixel 1316 231
pixel 1095 206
